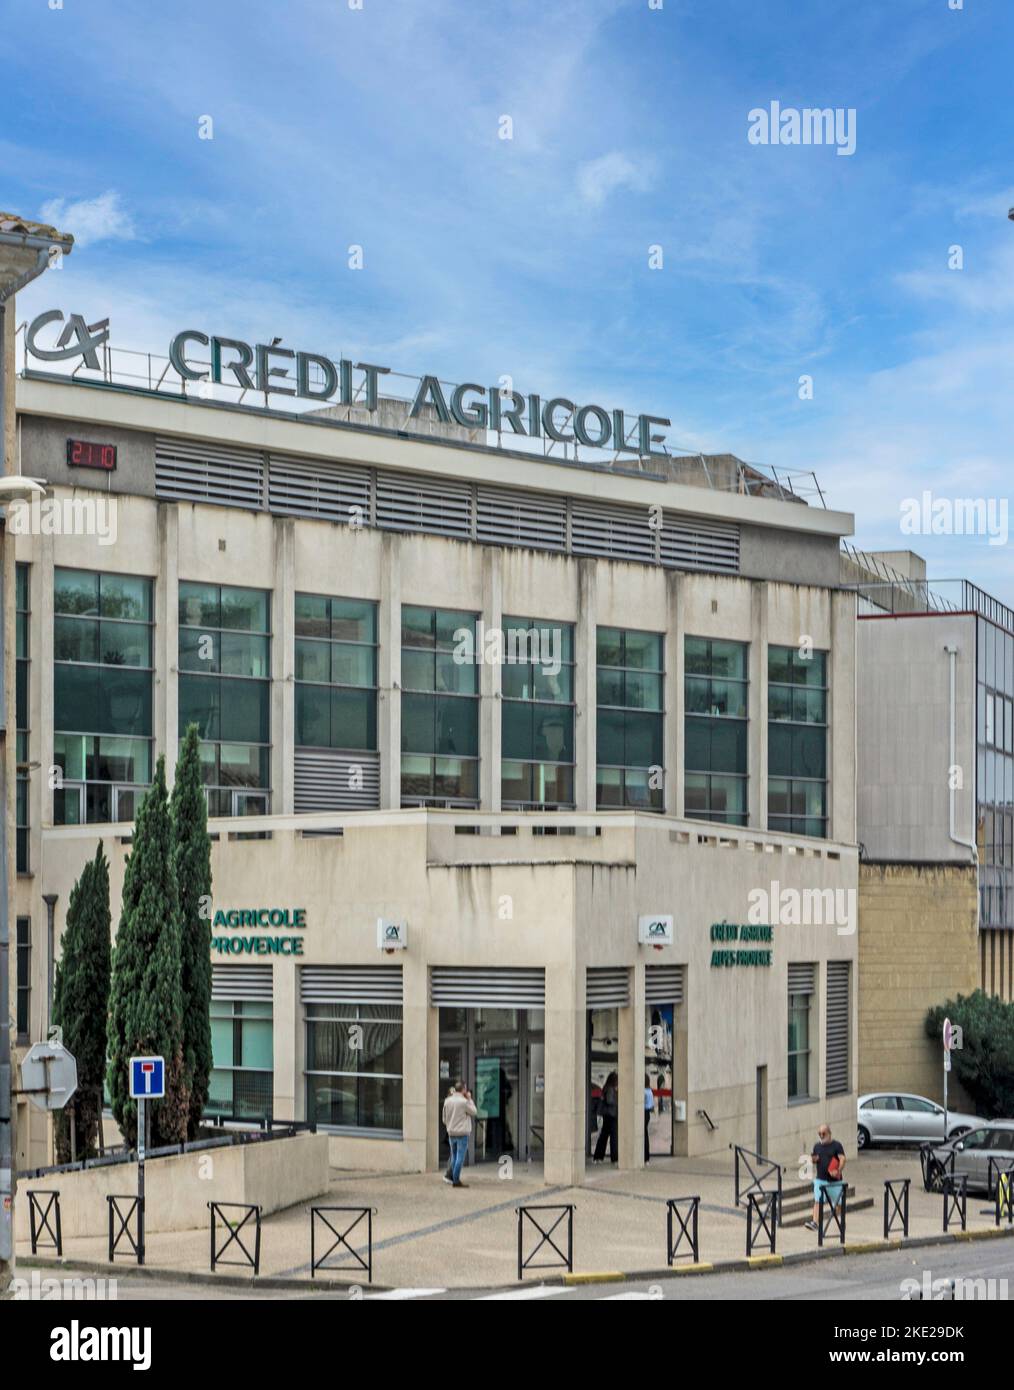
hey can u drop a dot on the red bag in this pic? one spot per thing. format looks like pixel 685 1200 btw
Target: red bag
pixel 834 1167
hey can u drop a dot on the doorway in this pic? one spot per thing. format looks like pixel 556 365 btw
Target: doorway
pixel 658 1070
pixel 500 1054
pixel 761 1137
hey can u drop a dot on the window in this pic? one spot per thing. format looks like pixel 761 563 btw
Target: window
pixel 537 715
pixel 23 721
pixel 336 673
pixel 995 772
pixel 225 689
pixel 629 678
pixel 439 709
pixel 797 741
pixel 919 1106
pixel 102 674
pixel 716 756
pixel 799 1042
pixel 882 1103
pixel 242 1049
pixel 24 978
pixel 354 1066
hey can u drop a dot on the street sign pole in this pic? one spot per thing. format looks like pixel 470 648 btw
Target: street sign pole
pixel 142 1146
pixel 947 1067
pixel 147 1082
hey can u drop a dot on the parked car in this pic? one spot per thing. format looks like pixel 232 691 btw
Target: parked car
pixel 895 1117
pixel 970 1156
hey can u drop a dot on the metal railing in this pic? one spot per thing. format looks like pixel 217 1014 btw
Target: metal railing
pixel 935 1169
pixel 896 1203
pixel 120 1217
pixel 763 1214
pixel 341 1239
pixel 766 1167
pixel 251 1259
pixel 564 1258
pixel 39 1220
pixel 688 1228
pixel 835 1214
pixel 956 1200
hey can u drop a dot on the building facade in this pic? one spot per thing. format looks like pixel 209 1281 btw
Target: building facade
pixel 519 771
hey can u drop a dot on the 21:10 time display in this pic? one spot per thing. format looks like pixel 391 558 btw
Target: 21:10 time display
pixel 83 453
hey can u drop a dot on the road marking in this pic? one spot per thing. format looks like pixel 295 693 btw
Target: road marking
pixel 534 1291
pixel 404 1293
pixel 615 1297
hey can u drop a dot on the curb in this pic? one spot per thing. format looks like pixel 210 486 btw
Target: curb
pixel 187 1276
pixel 605 1277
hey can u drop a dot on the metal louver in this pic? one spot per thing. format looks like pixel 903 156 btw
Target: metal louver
pixel 461 986
pixel 508 517
pixel 311 488
pixel 241 982
pixel 664 984
pixel 801 979
pixel 351 984
pixel 838 1021
pixel 687 543
pixel 615 532
pixel 608 988
pixel 325 780
pixel 414 502
pixel 209 473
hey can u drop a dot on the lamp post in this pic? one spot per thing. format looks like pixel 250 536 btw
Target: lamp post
pixel 26 249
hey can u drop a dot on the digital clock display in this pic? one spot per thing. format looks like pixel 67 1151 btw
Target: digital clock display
pixel 82 453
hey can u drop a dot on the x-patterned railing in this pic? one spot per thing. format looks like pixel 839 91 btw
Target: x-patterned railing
pixel 235 1226
pixel 896 1192
pixel 122 1211
pixel 834 1217
pixel 762 1215
pixel 956 1199
pixel 688 1227
pixel 754 1170
pixel 39 1214
pixel 564 1213
pixel 341 1238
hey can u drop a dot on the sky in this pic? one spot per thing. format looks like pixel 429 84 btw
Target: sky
pixel 808 309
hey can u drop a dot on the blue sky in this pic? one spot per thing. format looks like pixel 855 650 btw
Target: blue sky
pixel 380 127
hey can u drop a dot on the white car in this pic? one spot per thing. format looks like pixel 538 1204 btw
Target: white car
pixel 895 1117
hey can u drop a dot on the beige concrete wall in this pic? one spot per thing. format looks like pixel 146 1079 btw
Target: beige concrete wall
pixel 918 947
pixel 275 1174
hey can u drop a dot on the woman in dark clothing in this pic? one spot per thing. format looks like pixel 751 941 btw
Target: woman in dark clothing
pixel 608 1133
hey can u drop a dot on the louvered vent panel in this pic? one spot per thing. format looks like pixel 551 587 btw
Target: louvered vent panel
pixel 327 779
pixel 663 984
pixel 466 988
pixel 608 988
pixel 619 533
pixel 330 491
pixel 837 1050
pixel 209 473
pixel 801 979
pixel 350 984
pixel 505 517
pixel 690 544
pixel 241 982
pixel 436 506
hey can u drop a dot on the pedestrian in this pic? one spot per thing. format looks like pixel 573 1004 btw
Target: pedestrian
pixel 459 1110
pixel 610 1109
pixel 649 1110
pixel 828 1160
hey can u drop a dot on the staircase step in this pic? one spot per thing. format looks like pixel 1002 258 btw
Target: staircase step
pixel 862 1204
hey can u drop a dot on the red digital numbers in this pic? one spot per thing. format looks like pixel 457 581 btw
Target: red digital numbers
pixel 83 453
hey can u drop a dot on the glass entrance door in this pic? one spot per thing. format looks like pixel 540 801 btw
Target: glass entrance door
pixel 453 1067
pixel 497 1094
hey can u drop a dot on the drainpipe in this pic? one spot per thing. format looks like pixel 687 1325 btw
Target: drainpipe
pixel 50 900
pixel 952 652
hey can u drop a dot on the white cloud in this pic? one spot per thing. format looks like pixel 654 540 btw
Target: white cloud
pixel 600 177
pixel 91 219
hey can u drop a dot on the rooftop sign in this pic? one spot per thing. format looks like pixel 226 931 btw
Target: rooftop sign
pixel 312 376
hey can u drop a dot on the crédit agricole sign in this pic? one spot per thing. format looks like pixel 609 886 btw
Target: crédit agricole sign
pixel 282 371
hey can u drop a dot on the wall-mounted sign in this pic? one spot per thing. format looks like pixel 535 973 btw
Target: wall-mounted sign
pixel 745 932
pixel 246 919
pixel 82 453
pixel 656 930
pixel 314 376
pixel 392 936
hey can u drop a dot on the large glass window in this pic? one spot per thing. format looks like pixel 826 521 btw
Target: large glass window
pixel 336 673
pixel 102 678
pixel 629 679
pixel 799 1046
pixel 439 709
pixel 225 689
pixel 715 754
pixel 537 715
pixel 22 711
pixel 797 741
pixel 242 1050
pixel 995 769
pixel 354 1066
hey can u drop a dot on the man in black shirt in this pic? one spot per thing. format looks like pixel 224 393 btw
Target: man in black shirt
pixel 828 1159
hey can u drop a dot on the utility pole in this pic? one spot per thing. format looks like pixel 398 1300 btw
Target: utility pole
pixel 26 249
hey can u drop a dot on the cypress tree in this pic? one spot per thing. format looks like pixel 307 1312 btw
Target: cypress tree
pixel 146 1000
pixel 192 863
pixel 81 1003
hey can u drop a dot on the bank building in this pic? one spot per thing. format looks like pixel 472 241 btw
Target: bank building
pixel 526 762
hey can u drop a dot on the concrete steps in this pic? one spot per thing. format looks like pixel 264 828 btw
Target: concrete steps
pixel 797 1203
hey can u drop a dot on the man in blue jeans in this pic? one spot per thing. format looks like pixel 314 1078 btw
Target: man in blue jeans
pixel 459 1110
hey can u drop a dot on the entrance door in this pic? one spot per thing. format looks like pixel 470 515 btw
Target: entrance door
pixel 453 1067
pixel 497 1093
pixel 658 1068
pixel 761 1137
pixel 536 1101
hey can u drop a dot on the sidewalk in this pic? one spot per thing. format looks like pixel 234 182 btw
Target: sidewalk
pixel 427 1234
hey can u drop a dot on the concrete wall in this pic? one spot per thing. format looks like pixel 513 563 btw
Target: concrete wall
pixel 903 701
pixel 274 1174
pixel 918 947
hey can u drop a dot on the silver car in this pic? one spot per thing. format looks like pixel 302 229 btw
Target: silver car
pixel 991 1140
pixel 895 1117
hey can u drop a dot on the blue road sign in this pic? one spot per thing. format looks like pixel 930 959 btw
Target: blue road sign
pixel 147 1078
